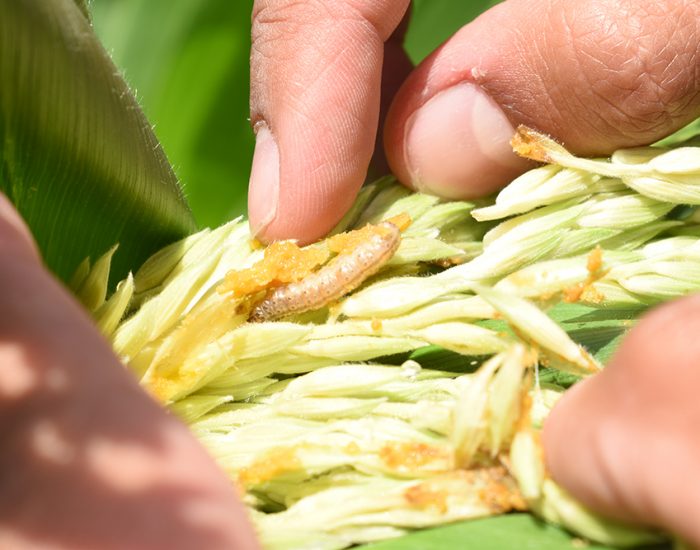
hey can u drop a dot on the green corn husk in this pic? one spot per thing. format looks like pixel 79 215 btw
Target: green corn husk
pixel 338 425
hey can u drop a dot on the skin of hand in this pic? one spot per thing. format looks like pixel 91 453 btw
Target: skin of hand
pixel 596 74
pixel 88 459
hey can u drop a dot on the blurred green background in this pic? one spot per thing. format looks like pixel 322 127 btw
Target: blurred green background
pixel 187 61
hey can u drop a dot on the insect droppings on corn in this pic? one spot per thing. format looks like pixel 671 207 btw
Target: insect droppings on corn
pixel 288 276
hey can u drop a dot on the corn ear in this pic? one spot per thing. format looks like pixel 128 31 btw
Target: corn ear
pixel 310 417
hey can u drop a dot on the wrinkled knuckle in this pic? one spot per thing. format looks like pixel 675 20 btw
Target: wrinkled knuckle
pixel 305 47
pixel 383 16
pixel 277 22
pixel 282 41
pixel 640 63
pixel 658 80
pixel 297 31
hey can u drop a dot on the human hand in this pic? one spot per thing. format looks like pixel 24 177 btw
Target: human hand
pixel 626 441
pixel 599 76
pixel 88 460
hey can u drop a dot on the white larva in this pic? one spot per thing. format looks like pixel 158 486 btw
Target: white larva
pixel 342 275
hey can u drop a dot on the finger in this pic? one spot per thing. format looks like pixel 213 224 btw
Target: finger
pixel 625 442
pixel 597 75
pixel 315 85
pixel 89 461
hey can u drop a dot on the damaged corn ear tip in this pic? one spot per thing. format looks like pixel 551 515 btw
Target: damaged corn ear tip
pixel 402 221
pixel 283 262
pixel 256 244
pixel 534 145
pixel 585 290
pixel 530 144
pixel 295 280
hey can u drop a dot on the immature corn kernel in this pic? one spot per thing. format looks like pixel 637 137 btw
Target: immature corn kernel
pixel 92 289
pixel 665 176
pixel 108 315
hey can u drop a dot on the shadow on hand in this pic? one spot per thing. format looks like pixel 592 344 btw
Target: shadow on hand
pixel 88 460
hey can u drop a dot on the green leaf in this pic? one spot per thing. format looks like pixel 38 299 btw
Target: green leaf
pixel 434 21
pixel 77 156
pixel 438 358
pixel 688 135
pixel 188 59
pixel 511 532
pixel 599 330
pixel 83 6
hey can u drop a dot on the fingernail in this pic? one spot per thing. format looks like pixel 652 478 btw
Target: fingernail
pixel 457 144
pixel 264 185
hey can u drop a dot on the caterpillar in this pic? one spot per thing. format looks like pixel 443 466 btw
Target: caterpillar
pixel 342 275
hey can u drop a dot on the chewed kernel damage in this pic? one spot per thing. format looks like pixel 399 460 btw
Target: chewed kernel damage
pixel 289 274
pixel 283 262
pixel 344 243
pixel 585 290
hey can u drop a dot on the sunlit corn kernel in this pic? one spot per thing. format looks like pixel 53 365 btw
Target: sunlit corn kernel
pixel 93 288
pixel 162 311
pixel 541 187
pixel 673 179
pixel 156 268
pixel 529 321
pixel 527 464
pixel 108 315
pixel 463 338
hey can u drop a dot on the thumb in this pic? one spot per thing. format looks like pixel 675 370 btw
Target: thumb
pixel 625 442
pixel 595 74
